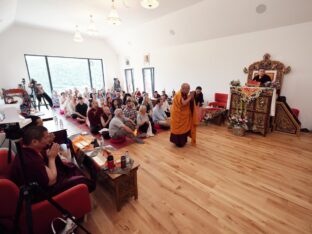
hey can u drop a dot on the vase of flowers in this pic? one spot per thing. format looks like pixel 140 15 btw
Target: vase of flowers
pixel 238 124
pixel 235 83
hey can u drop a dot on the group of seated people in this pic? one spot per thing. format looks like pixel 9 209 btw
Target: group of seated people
pixel 118 113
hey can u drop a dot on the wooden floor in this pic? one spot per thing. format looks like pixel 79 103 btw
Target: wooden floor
pixel 226 184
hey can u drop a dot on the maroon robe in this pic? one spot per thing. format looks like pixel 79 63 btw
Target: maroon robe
pixel 68 174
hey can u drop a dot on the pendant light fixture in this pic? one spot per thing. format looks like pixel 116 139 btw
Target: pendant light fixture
pixel 77 35
pixel 113 17
pixel 92 30
pixel 150 4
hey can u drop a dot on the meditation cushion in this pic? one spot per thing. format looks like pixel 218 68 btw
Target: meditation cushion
pixel 118 140
pixel 157 126
pixel 295 112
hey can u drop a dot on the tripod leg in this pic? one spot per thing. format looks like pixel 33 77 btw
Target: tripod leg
pixel 28 210
pixel 18 210
pixel 46 105
pixel 24 195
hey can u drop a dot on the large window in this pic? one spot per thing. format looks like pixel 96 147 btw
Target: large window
pixel 148 80
pixel 37 70
pixel 129 80
pixel 60 73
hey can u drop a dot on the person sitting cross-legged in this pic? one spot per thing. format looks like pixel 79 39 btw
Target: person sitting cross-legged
pixel 80 111
pixel 143 123
pixel 159 116
pixel 130 113
pixel 118 128
pixel 95 116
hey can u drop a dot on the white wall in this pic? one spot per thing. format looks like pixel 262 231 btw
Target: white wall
pixel 214 63
pixel 21 39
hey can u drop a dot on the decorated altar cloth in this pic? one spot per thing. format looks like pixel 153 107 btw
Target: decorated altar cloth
pixel 249 94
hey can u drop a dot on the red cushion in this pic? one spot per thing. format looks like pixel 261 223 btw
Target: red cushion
pixel 222 104
pixel 295 112
pixel 118 140
pixel 157 126
pixel 213 108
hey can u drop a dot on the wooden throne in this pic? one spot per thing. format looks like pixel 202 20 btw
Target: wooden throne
pixel 284 120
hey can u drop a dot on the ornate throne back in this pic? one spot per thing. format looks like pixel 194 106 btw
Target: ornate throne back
pixel 275 69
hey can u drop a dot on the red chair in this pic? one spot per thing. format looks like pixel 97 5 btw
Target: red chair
pixel 76 200
pixel 220 100
pixel 10 93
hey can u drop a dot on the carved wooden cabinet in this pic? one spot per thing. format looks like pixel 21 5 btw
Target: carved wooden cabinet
pixel 258 110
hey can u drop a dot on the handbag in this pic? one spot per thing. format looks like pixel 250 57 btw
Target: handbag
pixel 63 226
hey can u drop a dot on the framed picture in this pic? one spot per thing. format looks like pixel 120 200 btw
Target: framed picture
pixel 127 61
pixel 147 60
pixel 271 73
pixel 148 79
pixel 129 80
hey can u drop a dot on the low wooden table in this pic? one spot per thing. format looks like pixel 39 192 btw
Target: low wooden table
pixel 122 186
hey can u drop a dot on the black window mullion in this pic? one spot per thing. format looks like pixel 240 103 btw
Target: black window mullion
pixel 143 74
pixel 132 80
pixel 49 74
pixel 90 75
pixel 27 67
pixel 104 87
pixel 126 77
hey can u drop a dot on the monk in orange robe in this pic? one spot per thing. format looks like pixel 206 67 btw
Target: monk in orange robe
pixel 183 117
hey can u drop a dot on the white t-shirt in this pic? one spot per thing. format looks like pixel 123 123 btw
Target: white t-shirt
pixel 115 125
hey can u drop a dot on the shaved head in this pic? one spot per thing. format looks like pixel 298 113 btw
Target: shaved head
pixel 185 88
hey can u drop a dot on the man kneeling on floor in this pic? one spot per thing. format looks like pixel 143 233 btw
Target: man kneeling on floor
pixel 118 128
pixel 44 166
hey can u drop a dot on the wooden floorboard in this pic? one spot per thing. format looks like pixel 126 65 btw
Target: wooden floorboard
pixel 224 184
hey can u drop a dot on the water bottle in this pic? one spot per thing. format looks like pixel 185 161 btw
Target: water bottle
pixel 127 157
pixel 61 124
pixel 101 142
pixel 55 120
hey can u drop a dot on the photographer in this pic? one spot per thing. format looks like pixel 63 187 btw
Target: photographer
pixel 39 92
pixel 44 166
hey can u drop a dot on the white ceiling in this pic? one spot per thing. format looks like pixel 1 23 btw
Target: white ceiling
pixel 65 14
pixel 7 13
pixel 211 19
pixel 191 20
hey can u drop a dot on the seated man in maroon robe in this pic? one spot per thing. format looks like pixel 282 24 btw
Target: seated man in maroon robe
pixel 44 166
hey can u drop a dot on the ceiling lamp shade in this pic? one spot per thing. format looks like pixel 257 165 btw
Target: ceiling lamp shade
pixel 149 4
pixel 113 17
pixel 77 35
pixel 92 30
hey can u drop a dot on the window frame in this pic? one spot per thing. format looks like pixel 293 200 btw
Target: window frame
pixel 66 57
pixel 152 71
pixel 131 78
